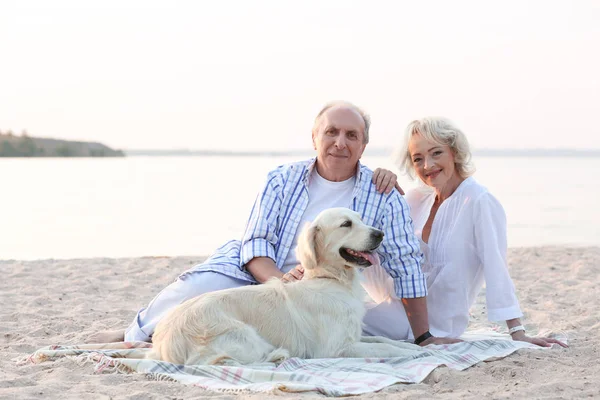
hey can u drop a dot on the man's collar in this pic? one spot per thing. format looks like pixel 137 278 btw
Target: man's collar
pixel 313 164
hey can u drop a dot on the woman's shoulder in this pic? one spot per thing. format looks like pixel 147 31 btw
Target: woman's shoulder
pixel 417 195
pixel 470 193
pixel 474 190
pixel 470 187
pixel 481 197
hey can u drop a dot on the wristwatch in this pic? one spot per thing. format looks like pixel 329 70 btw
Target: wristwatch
pixel 423 338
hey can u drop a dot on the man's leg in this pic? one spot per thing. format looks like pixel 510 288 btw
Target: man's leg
pixel 184 288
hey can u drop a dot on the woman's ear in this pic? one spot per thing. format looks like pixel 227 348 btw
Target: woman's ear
pixel 309 245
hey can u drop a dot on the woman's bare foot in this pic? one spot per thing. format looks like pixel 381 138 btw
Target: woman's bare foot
pixel 107 337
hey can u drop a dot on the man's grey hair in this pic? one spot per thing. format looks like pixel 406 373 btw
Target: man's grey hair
pixel 441 131
pixel 364 115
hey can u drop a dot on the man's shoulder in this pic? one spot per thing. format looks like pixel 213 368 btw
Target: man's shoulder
pixel 296 166
pixel 290 170
pixel 366 178
pixel 365 171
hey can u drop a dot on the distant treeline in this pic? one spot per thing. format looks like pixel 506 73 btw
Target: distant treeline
pixel 12 145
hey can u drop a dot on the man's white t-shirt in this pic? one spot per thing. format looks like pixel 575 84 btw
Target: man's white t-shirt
pixel 322 194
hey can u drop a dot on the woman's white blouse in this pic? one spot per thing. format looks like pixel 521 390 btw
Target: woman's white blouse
pixel 467 246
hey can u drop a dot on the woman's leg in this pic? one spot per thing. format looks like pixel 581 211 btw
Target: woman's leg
pixel 387 319
pixel 184 288
pixel 385 315
pixel 377 283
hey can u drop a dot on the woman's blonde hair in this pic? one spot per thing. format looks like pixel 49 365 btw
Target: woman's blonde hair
pixel 441 131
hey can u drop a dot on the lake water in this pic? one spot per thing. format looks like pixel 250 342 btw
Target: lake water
pixel 154 206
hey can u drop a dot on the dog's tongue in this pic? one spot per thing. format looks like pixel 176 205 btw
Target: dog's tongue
pixel 373 258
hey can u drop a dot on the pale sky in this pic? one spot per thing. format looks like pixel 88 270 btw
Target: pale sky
pixel 250 75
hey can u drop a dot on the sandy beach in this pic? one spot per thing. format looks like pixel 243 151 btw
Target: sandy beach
pixel 64 301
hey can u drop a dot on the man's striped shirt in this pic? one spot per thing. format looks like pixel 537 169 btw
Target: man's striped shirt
pixel 276 217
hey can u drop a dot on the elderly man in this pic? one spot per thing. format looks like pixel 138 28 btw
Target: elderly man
pixel 293 195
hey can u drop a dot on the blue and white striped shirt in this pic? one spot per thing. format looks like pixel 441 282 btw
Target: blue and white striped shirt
pixel 277 214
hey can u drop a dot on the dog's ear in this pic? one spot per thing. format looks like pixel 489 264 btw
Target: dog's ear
pixel 309 245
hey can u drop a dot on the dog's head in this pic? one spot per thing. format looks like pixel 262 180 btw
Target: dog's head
pixel 338 238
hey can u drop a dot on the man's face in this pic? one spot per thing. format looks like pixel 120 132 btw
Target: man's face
pixel 339 141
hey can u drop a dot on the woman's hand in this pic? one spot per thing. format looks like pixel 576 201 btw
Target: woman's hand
pixel 540 341
pixel 295 274
pixel 385 181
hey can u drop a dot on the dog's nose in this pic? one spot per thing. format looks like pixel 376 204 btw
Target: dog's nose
pixel 377 235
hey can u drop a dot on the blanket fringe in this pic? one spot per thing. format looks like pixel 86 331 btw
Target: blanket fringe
pixel 83 359
pixel 107 365
pixel 35 358
pixel 161 377
pixel 102 364
pixel 155 376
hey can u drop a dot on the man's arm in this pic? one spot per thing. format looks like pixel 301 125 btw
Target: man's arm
pixel 403 262
pixel 416 311
pixel 260 239
pixel 400 250
pixel 263 269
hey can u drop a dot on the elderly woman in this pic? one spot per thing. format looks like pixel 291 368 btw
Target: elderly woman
pixel 462 232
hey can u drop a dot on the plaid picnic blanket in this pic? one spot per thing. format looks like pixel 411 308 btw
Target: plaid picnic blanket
pixel 332 377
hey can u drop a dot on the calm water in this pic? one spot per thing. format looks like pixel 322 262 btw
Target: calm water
pixel 151 206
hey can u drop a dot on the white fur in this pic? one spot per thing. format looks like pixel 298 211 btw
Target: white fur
pixel 317 317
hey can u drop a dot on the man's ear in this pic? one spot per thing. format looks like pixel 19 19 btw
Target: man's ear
pixel 313 139
pixel 309 245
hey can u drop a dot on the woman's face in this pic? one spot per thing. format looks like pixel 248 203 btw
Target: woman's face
pixel 433 163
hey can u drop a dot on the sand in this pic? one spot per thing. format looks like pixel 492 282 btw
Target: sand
pixel 64 301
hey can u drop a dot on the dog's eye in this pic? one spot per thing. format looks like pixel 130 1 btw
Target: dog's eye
pixel 346 224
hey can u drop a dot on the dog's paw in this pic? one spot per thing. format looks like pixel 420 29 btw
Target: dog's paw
pixel 223 360
pixel 278 355
pixel 230 362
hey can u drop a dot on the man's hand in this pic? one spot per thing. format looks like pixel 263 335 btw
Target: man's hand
pixel 295 274
pixel 540 341
pixel 439 340
pixel 385 181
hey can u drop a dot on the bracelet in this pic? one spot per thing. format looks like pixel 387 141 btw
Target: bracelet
pixel 516 329
pixel 423 338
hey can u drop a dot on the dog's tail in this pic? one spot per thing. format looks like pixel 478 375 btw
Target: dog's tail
pixel 158 348
pixel 153 354
pixel 167 345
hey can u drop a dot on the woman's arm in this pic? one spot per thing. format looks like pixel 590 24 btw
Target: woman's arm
pixel 517 332
pixel 491 244
pixel 489 221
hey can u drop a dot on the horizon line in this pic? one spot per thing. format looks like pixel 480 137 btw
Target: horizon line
pixel 373 151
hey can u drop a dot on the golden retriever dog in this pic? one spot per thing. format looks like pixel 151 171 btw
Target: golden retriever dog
pixel 319 316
